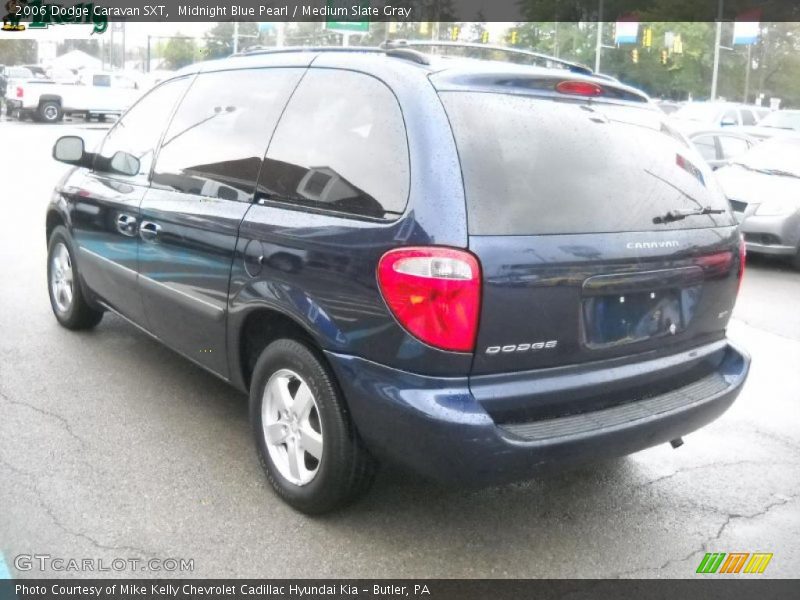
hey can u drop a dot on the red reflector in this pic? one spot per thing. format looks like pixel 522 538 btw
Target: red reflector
pixel 20 92
pixel 579 88
pixel 434 293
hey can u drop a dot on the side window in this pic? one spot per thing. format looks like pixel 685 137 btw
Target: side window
pixel 730 116
pixel 215 144
pixel 101 80
pixel 747 117
pixel 707 147
pixel 732 146
pixel 341 145
pixel 138 131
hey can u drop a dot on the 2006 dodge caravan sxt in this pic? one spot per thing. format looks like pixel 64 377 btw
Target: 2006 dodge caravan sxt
pixel 471 268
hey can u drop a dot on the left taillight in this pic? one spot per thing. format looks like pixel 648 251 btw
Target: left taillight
pixel 20 92
pixel 434 293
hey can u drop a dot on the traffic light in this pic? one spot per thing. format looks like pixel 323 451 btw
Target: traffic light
pixel 485 37
pixel 635 55
pixel 454 31
pixel 514 36
pixel 647 37
pixel 664 56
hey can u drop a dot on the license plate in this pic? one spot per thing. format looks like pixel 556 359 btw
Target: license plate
pixel 631 317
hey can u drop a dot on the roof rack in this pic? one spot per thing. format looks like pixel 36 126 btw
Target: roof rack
pixel 407 53
pixel 545 58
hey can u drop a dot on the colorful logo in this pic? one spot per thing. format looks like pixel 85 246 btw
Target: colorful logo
pixel 736 562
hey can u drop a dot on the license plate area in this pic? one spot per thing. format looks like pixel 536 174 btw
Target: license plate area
pixel 632 317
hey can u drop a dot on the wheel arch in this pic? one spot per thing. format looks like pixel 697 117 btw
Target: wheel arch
pixel 54 219
pixel 255 330
pixel 51 98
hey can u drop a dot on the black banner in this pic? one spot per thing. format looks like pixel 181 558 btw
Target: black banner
pixel 705 587
pixel 88 11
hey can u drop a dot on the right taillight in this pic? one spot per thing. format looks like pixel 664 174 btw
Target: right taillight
pixel 434 293
pixel 742 260
pixel 20 92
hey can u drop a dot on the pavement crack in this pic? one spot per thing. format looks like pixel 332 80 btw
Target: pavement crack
pixel 65 424
pixel 34 488
pixel 729 517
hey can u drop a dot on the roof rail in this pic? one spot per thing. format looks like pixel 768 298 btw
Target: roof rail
pixel 406 53
pixel 545 58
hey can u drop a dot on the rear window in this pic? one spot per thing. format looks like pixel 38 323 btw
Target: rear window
pixel 534 166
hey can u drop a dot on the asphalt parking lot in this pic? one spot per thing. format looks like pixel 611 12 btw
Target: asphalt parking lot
pixel 112 446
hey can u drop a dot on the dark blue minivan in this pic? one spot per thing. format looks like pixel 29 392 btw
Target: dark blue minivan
pixel 470 268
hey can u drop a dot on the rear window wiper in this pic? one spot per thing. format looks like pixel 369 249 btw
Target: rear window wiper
pixel 679 214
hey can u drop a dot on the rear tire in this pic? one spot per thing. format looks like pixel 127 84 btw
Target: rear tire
pixel 309 448
pixel 49 112
pixel 64 284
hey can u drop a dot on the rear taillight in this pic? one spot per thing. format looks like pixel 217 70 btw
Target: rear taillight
pixel 20 92
pixel 579 88
pixel 742 260
pixel 435 294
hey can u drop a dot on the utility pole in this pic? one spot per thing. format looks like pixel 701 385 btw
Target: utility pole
pixel 717 37
pixel 555 39
pixel 235 37
pixel 747 72
pixel 280 34
pixel 599 46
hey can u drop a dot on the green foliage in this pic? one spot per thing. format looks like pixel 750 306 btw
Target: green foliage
pixel 17 52
pixel 775 60
pixel 218 41
pixel 179 52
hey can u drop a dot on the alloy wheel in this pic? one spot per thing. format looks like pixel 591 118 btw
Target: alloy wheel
pixel 291 425
pixel 61 278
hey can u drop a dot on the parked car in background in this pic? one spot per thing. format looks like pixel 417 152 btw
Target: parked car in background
pixel 720 146
pixel 777 123
pixel 695 116
pixel 37 70
pixel 668 107
pixel 468 267
pixel 763 188
pixel 95 94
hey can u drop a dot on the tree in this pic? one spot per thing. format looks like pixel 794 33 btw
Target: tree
pixel 179 52
pixel 17 52
pixel 219 40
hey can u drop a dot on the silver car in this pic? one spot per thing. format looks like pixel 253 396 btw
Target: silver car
pixel 763 188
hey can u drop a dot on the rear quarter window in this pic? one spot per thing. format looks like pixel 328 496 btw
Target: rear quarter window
pixel 537 166
pixel 340 146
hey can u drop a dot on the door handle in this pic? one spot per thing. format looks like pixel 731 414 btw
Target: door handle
pixel 126 225
pixel 149 230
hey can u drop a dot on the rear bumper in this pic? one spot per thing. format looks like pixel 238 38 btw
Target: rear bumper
pixel 439 429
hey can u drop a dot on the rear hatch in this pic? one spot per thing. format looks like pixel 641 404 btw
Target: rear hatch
pixel 568 198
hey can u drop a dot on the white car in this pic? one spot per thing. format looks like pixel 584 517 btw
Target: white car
pixel 94 94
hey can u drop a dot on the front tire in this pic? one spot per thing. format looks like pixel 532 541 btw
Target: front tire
pixel 63 282
pixel 307 444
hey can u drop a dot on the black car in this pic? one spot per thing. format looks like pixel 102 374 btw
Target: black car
pixel 466 267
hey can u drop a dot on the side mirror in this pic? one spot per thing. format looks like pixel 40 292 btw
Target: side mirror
pixel 70 149
pixel 124 163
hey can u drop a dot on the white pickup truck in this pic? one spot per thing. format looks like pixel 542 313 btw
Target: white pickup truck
pixel 94 94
